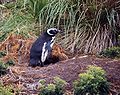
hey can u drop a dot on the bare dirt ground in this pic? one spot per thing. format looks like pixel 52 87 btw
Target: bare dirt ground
pixel 27 78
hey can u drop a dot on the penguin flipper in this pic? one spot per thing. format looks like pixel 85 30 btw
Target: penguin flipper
pixel 34 62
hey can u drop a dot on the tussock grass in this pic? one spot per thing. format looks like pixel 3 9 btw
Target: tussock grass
pixel 89 26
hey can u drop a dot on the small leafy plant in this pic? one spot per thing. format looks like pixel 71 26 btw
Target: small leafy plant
pixel 56 88
pixel 93 82
pixel 113 52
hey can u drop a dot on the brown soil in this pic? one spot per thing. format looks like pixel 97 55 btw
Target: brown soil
pixel 26 78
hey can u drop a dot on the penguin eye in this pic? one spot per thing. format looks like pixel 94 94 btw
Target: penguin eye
pixel 53 32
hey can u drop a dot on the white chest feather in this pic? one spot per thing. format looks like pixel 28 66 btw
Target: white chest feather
pixel 45 50
pixel 52 41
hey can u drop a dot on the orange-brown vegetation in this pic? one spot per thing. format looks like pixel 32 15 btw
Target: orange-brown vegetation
pixel 18 49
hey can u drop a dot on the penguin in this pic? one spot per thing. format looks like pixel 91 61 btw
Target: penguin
pixel 41 49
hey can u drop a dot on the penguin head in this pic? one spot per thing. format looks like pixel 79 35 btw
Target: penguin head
pixel 52 31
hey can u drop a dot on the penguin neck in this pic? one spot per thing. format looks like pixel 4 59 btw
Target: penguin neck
pixel 52 41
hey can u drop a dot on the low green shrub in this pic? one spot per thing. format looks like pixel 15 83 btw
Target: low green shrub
pixel 59 86
pixel 93 82
pixel 113 52
pixel 47 90
pixel 3 68
pixel 10 63
pixel 56 88
pixel 8 90
pixel 2 53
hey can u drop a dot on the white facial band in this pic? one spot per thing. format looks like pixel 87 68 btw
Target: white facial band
pixel 48 31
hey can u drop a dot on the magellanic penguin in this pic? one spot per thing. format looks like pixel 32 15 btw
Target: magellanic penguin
pixel 42 47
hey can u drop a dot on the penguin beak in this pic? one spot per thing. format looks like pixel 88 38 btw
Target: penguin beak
pixel 59 31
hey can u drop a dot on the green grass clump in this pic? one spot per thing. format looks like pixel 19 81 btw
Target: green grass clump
pixel 35 6
pixel 113 52
pixel 93 82
pixel 56 88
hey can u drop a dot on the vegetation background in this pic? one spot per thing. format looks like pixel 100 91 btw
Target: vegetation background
pixel 89 25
